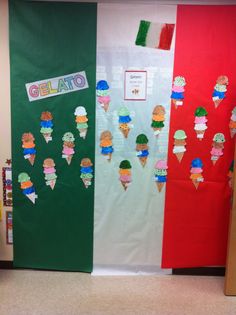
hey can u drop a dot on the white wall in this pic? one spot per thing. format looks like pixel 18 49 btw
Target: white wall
pixel 5 124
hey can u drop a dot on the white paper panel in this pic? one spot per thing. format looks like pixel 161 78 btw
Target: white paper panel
pixel 128 224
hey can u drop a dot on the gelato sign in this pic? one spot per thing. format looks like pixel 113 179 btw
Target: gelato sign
pixel 56 86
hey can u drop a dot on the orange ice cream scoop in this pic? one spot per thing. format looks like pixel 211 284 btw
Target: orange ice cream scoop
pixel 195 176
pixel 156 117
pixel 28 145
pixel 81 119
pixel 106 143
pixel 124 172
pixel 27 184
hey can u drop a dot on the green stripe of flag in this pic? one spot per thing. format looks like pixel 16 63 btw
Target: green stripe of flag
pixel 142 33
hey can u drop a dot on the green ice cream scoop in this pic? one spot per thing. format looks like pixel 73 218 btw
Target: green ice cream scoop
pixel 68 137
pixel 142 139
pixel 123 111
pixel 180 135
pixel 125 164
pixel 23 177
pixel 219 137
pixel 200 111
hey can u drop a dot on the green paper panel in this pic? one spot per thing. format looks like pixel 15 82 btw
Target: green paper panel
pixel 47 40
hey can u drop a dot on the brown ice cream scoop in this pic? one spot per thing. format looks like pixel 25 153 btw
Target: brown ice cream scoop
pixel 140 147
pixel 222 79
pixel 179 142
pixel 46 116
pixel 27 137
pixel 86 162
pixel 106 135
pixel 159 110
pixel 69 144
pixel 218 145
pixel 48 163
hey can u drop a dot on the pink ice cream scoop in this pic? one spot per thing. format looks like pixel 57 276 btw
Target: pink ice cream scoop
pixel 216 152
pixel 196 170
pixel 49 170
pixel 161 164
pixel 125 178
pixel 68 151
pixel 104 99
pixel 200 120
pixel 178 88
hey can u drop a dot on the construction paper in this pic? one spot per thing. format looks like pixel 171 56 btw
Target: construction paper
pixel 196 220
pixel 57 86
pixel 47 40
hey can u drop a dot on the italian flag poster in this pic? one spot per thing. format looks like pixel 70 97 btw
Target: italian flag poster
pixel 137 111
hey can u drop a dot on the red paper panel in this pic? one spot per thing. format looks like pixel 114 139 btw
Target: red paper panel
pixel 196 221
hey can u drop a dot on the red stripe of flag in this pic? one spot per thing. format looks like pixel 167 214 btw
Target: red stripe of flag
pixel 166 36
pixel 196 221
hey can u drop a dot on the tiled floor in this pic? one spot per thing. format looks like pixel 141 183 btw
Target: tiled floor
pixel 32 292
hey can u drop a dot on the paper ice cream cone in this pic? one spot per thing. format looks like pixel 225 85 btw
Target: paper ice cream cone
pixel 105 106
pixel 83 133
pixel 125 132
pixel 87 182
pixel 32 197
pixel 160 186
pixel 217 102
pixel 47 137
pixel 124 184
pixel 143 160
pixel 214 161
pixel 200 134
pixel 179 156
pixel 52 184
pixel 157 131
pixel 195 183
pixel 69 158
pixel 31 159
pixel 232 132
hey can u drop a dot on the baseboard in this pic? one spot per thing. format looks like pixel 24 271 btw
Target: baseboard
pixel 201 271
pixel 6 264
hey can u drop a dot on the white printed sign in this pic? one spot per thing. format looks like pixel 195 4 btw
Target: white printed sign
pixel 56 86
pixel 135 85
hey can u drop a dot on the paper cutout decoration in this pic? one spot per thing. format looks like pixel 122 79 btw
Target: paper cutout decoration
pixel 9 227
pixel 178 89
pixel 219 89
pixel 49 172
pixel 160 174
pixel 82 121
pixel 86 172
pixel 179 144
pixel 28 146
pixel 196 172
pixel 68 147
pixel 46 126
pixel 27 186
pixel 200 122
pixel 231 174
pixel 158 118
pixel 125 173
pixel 155 35
pixel 7 186
pixel 232 123
pixel 106 144
pixel 124 121
pixel 56 86
pixel 217 147
pixel 142 148
pixel 103 96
